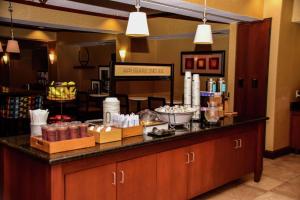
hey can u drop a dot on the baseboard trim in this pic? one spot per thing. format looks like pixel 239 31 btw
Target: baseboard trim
pixel 296 151
pixel 277 153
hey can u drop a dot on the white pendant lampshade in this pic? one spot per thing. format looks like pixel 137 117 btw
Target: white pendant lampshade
pixel 203 34
pixel 1 49
pixel 137 25
pixel 12 46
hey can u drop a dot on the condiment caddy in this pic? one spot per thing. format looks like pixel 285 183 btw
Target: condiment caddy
pixel 105 134
pixel 129 124
pixel 120 126
pixel 61 146
pixel 62 137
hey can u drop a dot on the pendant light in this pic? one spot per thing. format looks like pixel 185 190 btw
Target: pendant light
pixel 12 45
pixel 137 23
pixel 203 34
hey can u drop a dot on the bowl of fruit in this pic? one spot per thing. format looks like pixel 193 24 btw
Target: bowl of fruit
pixel 59 119
pixel 62 91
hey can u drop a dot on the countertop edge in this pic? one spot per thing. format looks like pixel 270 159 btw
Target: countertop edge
pixel 3 141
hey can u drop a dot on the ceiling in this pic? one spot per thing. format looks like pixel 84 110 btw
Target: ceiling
pixel 117 6
pixel 154 8
pixel 105 8
pixel 120 9
pixel 41 27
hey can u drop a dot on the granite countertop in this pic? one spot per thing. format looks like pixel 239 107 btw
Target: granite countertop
pixel 21 143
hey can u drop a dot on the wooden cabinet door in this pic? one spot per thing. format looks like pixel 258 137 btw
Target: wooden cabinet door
pixel 247 152
pixel 201 174
pixel 225 160
pixel 137 178
pixel 92 184
pixel 172 174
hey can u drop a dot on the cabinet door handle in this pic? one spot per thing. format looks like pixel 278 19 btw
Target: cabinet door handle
pixel 122 177
pixel 240 143
pixel 188 158
pixel 254 83
pixel 236 142
pixel 114 178
pixel 193 157
pixel 241 82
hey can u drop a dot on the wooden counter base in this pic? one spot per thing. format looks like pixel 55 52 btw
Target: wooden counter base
pixel 179 169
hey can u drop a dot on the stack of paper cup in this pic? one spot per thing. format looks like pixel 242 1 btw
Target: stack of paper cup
pixel 196 95
pixel 188 88
pixel 38 118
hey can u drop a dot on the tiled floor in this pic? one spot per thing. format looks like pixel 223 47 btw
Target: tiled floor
pixel 280 181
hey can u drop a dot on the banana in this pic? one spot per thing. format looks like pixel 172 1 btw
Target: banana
pixel 71 83
pixel 64 91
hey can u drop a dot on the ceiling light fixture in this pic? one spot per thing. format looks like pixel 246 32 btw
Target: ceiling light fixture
pixel 203 34
pixel 12 45
pixel 122 53
pixel 51 57
pixel 5 58
pixel 137 23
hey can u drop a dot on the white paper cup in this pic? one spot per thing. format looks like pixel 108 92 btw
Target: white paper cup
pixel 36 129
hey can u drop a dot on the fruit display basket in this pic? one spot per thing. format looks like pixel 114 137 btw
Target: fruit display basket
pixel 61 91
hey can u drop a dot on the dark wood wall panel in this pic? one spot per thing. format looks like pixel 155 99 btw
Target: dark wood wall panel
pixel 252 67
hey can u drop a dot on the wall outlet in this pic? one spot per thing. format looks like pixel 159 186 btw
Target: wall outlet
pixel 297 93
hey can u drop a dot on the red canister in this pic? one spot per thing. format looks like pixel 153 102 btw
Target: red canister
pixel 51 134
pixel 44 132
pixel 74 131
pixel 63 133
pixel 83 129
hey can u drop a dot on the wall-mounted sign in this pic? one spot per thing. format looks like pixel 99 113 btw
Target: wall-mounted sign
pixel 142 70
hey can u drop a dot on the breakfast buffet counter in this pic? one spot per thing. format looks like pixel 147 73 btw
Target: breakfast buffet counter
pixel 184 165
